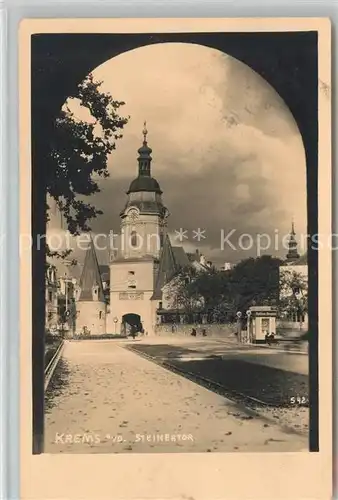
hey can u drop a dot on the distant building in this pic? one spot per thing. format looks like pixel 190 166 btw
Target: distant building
pixel 66 276
pixel 293 286
pixel 292 255
pixel 51 298
pixel 227 266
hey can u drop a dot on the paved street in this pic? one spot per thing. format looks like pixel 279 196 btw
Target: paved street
pixel 274 357
pixel 108 399
pixel 254 373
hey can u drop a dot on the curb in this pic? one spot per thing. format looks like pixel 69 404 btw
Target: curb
pixel 50 368
pixel 264 346
pixel 279 349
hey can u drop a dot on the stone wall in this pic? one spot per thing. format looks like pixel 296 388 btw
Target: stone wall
pixel 214 330
pixel 291 327
pixel 92 315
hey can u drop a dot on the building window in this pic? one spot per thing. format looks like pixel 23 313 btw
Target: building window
pixel 50 296
pixel 133 239
pixel 160 305
pixel 100 315
pixel 131 273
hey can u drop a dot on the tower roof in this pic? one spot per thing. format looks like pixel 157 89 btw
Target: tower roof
pixel 90 276
pixel 144 181
pixel 144 184
pixel 172 260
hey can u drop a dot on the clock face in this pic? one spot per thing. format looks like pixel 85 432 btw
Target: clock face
pixel 133 214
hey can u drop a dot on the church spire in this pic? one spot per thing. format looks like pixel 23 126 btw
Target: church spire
pixel 144 159
pixel 145 132
pixel 292 245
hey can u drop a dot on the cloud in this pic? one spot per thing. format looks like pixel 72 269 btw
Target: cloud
pixel 226 150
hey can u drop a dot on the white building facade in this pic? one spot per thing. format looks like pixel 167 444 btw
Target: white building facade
pixel 293 288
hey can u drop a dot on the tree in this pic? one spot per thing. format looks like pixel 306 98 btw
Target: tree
pixel 204 292
pixel 293 293
pixel 181 293
pixel 78 155
pixel 255 281
pixel 214 287
pixel 220 294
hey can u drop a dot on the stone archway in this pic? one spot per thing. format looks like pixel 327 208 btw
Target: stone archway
pixel 131 324
pixel 293 74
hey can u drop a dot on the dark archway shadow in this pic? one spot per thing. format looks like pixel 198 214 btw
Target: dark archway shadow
pixel 131 324
pixel 288 61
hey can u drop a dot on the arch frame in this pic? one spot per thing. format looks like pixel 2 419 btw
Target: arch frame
pixel 288 61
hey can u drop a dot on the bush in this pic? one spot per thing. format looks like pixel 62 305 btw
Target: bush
pixel 51 338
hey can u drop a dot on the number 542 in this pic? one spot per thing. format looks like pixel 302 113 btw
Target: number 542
pixel 298 400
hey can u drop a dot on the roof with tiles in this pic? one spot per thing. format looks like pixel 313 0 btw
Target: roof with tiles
pixel 90 276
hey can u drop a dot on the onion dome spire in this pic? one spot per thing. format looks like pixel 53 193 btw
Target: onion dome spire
pixel 292 245
pixel 144 180
pixel 144 159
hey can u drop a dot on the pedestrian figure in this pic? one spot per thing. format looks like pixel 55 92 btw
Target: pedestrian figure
pixel 193 332
pixel 204 332
pixel 133 332
pixel 273 340
pixel 270 338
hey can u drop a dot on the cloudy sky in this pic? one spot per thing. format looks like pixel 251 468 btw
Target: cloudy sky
pixel 226 150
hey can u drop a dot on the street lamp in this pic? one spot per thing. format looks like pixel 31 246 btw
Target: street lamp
pixel 115 323
pixel 239 326
pixel 248 328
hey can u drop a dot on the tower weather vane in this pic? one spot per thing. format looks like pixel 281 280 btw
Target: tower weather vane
pixel 145 131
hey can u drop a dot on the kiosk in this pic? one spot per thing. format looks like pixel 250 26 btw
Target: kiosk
pixel 261 320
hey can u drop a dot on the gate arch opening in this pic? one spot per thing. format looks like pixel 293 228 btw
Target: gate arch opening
pixel 131 324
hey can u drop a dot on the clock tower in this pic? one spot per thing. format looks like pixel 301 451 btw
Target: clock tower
pixel 134 269
pixel 143 219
